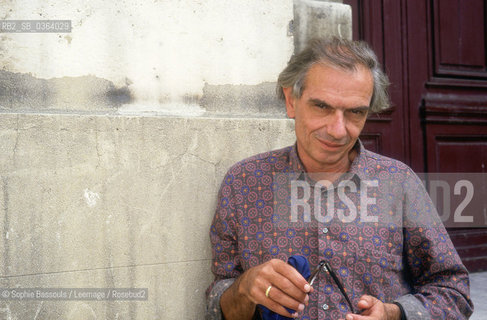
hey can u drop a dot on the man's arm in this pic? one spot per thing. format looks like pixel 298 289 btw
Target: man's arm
pixel 235 305
pixel 438 277
pixel 225 263
pixel 439 280
pixel 239 297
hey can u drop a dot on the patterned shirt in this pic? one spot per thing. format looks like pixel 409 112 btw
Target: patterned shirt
pixel 376 226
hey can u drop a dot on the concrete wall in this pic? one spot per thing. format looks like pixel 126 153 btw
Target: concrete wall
pixel 117 201
pixel 114 139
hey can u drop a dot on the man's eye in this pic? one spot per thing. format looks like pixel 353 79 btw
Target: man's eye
pixel 321 106
pixel 358 112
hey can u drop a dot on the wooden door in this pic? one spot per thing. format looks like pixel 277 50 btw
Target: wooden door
pixel 435 53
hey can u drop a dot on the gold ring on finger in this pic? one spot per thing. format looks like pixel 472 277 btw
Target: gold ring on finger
pixel 267 291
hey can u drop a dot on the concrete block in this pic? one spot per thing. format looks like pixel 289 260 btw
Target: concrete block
pixel 175 291
pixel 317 19
pixel 243 100
pixel 152 51
pixel 102 201
pixel 23 92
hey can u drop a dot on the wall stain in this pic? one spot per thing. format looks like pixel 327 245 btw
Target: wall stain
pixel 23 92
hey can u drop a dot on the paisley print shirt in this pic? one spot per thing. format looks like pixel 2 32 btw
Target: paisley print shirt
pixel 376 226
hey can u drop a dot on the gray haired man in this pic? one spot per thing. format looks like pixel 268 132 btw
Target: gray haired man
pixel 402 266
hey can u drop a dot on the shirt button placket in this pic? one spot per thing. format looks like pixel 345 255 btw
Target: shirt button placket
pixel 325 307
pixel 325 230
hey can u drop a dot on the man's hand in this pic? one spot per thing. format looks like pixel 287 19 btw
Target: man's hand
pixel 374 309
pixel 289 289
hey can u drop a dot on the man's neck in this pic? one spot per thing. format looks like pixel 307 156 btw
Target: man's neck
pixel 331 173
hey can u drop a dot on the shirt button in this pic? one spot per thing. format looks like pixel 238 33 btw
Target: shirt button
pixel 325 230
pixel 325 307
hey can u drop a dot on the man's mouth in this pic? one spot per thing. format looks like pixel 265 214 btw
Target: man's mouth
pixel 331 145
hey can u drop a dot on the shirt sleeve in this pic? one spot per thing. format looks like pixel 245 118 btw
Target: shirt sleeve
pixel 440 282
pixel 213 309
pixel 225 265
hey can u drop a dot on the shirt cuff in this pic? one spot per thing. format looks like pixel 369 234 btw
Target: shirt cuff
pixel 413 308
pixel 213 309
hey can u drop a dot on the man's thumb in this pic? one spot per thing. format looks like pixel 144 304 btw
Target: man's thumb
pixel 366 301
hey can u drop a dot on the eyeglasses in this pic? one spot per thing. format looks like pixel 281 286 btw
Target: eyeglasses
pixel 325 266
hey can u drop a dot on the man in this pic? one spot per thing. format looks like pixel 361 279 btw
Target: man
pixel 375 225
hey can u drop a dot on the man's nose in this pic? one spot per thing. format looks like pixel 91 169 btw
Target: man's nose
pixel 336 126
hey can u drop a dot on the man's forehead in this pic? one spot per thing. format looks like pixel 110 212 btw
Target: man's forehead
pixel 321 101
pixel 323 66
pixel 321 74
pixel 337 87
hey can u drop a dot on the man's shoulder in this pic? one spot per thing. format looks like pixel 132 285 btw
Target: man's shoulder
pixel 380 162
pixel 272 161
pixel 387 172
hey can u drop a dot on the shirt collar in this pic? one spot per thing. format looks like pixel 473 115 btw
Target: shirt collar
pixel 357 168
pixel 359 164
pixel 294 161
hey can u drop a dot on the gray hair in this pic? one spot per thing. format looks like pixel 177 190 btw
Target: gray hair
pixel 340 53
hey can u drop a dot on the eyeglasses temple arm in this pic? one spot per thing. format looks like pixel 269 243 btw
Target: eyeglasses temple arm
pixel 339 284
pixel 313 276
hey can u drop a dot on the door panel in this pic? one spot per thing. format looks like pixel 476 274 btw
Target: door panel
pixel 459 39
pixel 434 52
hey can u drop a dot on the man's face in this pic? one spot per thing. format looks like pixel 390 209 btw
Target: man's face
pixel 330 115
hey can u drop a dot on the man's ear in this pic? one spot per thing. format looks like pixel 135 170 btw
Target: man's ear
pixel 290 101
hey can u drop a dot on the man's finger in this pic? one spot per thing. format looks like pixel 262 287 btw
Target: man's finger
pixel 276 306
pixel 285 300
pixel 288 287
pixel 292 274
